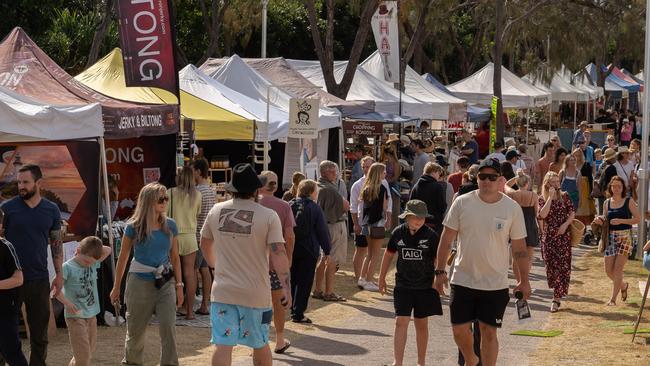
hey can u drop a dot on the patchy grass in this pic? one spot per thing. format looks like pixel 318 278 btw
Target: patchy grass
pixel 593 332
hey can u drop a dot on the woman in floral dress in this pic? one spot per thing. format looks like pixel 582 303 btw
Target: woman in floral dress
pixel 556 213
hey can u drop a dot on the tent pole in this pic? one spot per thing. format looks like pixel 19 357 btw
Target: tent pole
pixel 527 124
pixel 107 202
pixel 575 114
pixel 266 141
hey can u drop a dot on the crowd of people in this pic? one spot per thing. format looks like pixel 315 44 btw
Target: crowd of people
pixel 467 220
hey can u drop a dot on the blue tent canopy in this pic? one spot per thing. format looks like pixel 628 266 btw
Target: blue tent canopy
pixel 474 113
pixel 632 88
pixel 382 117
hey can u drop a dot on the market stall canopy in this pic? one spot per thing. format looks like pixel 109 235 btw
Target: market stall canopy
pixel 445 106
pixel 278 71
pixel 218 119
pixel 237 75
pixel 581 81
pixel 620 75
pixel 628 76
pixel 366 87
pixel 475 113
pixel 27 120
pixel 201 86
pixel 28 71
pixel 611 86
pixel 516 93
pixel 382 117
pixel 560 89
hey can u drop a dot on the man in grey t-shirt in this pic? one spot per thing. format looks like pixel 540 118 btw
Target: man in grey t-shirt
pixel 421 159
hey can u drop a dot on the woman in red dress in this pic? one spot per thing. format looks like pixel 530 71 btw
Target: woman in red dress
pixel 556 213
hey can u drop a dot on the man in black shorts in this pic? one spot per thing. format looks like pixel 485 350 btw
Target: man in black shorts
pixel 484 220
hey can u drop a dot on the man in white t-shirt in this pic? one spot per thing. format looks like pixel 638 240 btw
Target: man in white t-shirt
pixel 483 220
pixel 235 241
pixel 360 241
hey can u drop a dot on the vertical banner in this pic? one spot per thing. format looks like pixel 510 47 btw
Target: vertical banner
pixel 385 28
pixel 147 43
pixel 493 123
pixel 303 118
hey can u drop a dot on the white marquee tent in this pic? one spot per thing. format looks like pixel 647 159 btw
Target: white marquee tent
pixel 560 89
pixel 26 120
pixel 445 106
pixel 516 93
pixel 367 87
pixel 237 75
pixel 196 83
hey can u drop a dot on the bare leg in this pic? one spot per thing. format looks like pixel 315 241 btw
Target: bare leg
pixel 189 276
pixel 489 345
pixel 330 271
pixel 320 276
pixel 619 265
pixel 206 287
pixel 358 260
pixel 374 248
pixel 399 341
pixel 609 267
pixel 465 341
pixel 279 316
pixel 421 337
pixel 222 356
pixel 262 356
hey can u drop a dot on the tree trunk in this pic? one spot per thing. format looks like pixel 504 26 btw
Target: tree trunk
pixel 100 32
pixel 212 21
pixel 498 56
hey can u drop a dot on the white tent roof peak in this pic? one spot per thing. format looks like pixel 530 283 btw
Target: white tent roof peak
pixel 516 93
pixel 560 89
pixel 446 106
pixel 237 75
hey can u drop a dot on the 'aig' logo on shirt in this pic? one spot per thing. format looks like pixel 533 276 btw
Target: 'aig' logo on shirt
pixel 411 254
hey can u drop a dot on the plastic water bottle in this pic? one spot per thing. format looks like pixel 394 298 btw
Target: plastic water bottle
pixel 523 310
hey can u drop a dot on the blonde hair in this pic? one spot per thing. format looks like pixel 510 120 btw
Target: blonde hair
pixel 568 157
pixel 549 175
pixel 432 167
pixel 522 179
pixel 580 157
pixel 372 185
pixel 144 216
pixel 296 178
pixel 307 187
pixel 185 183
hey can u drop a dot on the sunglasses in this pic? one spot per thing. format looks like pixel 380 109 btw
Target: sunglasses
pixel 491 177
pixel 163 199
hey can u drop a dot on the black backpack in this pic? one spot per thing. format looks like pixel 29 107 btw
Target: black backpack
pixel 301 230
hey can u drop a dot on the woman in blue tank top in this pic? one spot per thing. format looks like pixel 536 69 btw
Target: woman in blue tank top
pixel 621 214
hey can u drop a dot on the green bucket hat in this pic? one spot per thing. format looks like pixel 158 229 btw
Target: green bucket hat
pixel 416 208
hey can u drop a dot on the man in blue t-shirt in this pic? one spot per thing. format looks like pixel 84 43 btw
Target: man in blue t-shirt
pixel 470 148
pixel 31 223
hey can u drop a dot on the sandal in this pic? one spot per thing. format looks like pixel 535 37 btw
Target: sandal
pixel 624 292
pixel 303 320
pixel 317 295
pixel 555 306
pixel 611 303
pixel 200 312
pixel 280 351
pixel 333 297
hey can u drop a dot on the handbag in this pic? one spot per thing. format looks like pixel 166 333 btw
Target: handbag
pixel 577 231
pixel 377 232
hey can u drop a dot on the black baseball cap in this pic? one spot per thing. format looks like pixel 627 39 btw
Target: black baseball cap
pixel 490 163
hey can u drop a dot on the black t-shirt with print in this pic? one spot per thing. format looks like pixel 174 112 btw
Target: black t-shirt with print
pixel 9 263
pixel 416 256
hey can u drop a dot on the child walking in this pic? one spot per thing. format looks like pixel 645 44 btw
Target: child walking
pixel 11 278
pixel 80 298
pixel 416 246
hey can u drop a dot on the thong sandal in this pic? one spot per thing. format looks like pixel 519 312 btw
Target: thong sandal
pixel 555 306
pixel 333 297
pixel 280 351
pixel 317 295
pixel 624 292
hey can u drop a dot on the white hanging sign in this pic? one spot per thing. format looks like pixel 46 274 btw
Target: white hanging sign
pixel 303 118
pixel 385 29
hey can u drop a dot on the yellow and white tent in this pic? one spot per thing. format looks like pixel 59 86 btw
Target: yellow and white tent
pixel 215 116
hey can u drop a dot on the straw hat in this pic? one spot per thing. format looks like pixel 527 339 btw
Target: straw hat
pixel 392 137
pixel 609 154
pixel 429 146
pixel 623 150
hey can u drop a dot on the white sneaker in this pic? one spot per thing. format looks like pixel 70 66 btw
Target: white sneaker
pixel 371 286
pixel 361 283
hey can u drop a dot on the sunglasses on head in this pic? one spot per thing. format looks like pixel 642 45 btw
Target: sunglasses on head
pixel 491 177
pixel 163 199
